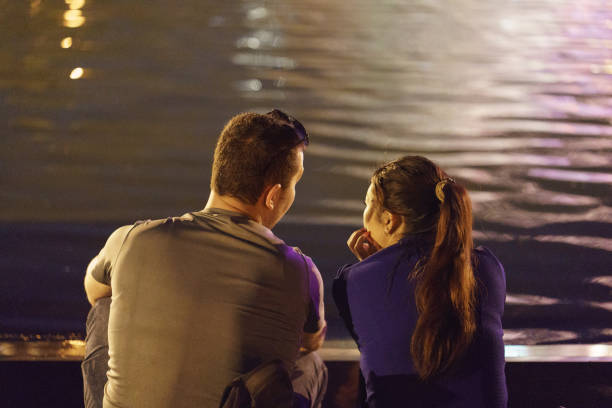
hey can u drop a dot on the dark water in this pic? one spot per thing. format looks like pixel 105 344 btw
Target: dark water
pixel 512 98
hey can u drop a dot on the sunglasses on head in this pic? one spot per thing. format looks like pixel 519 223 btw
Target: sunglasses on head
pixel 294 123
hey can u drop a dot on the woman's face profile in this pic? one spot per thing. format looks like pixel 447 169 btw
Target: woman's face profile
pixel 372 217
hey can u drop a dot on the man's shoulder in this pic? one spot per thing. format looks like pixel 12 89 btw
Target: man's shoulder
pixel 242 228
pixel 160 224
pixel 293 256
pixel 232 227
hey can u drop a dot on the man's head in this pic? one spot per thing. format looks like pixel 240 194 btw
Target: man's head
pixel 259 158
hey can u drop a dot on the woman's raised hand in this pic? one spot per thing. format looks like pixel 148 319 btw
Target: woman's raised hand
pixel 361 244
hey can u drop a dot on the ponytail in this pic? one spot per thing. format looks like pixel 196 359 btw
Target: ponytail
pixel 418 190
pixel 445 287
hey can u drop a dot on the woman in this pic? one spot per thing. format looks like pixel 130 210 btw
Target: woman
pixel 423 305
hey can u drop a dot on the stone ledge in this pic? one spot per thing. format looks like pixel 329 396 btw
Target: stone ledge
pixel 334 350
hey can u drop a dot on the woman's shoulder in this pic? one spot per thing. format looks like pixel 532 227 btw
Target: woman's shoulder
pixel 487 261
pixel 490 273
pixel 384 259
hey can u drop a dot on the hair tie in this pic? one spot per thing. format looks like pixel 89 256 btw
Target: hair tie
pixel 440 187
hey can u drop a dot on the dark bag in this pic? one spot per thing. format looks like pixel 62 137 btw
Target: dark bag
pixel 268 385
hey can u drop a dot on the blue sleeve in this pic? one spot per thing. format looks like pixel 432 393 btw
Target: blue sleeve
pixel 492 296
pixel 316 310
pixel 340 296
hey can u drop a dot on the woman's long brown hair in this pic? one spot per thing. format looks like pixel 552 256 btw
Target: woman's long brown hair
pixel 445 283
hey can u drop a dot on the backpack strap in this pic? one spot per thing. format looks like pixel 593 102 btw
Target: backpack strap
pixel 268 385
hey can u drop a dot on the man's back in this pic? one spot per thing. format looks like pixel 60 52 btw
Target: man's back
pixel 198 300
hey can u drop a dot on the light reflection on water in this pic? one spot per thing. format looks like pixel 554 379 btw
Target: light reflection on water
pixel 514 99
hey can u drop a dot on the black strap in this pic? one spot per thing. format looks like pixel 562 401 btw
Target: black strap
pixel 268 385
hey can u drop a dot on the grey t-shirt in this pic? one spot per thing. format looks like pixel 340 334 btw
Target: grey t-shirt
pixel 198 300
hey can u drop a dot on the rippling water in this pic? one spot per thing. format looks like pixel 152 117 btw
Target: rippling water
pixel 109 112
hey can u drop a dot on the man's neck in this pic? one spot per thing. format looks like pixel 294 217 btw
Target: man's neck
pixel 229 203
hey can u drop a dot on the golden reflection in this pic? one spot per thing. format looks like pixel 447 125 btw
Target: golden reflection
pixel 74 343
pixel 66 42
pixel 257 13
pixel 75 4
pixel 248 42
pixel 262 60
pixel 77 73
pixel 253 85
pixel 73 18
pixel 35 7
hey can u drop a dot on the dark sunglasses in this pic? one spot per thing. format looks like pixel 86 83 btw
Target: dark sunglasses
pixel 294 123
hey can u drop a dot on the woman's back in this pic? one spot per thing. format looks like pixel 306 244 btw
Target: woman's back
pixel 376 298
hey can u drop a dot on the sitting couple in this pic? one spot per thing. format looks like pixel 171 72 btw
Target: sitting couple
pixel 212 309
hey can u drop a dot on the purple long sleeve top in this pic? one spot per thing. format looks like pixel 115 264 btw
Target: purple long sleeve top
pixel 376 300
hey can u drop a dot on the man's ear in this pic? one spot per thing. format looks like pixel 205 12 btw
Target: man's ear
pixel 272 195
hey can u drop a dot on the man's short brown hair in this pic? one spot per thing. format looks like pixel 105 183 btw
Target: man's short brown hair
pixel 255 151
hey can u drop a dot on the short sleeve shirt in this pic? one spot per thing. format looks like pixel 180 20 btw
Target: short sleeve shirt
pixel 198 300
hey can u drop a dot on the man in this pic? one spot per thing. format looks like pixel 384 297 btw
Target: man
pixel 201 299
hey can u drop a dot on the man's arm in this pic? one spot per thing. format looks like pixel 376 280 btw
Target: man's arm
pixel 97 277
pixel 314 341
pixel 94 289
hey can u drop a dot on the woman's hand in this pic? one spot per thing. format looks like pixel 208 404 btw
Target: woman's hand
pixel 361 244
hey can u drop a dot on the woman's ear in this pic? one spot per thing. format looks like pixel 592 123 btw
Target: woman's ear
pixel 392 222
pixel 272 196
pixel 386 221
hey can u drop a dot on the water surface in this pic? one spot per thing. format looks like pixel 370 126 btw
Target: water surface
pixel 109 112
